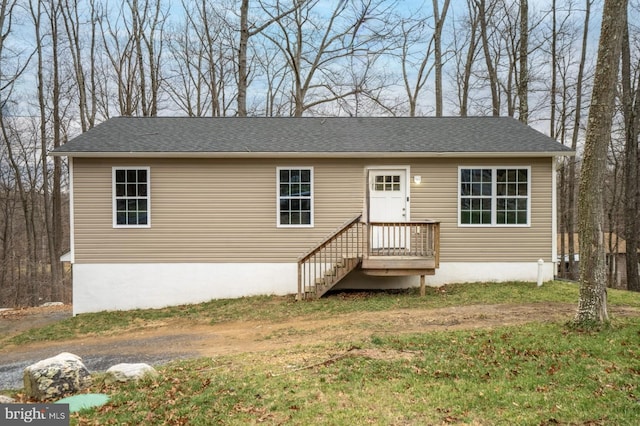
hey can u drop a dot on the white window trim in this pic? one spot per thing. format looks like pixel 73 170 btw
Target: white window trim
pixel 494 198
pixel 311 224
pixel 113 196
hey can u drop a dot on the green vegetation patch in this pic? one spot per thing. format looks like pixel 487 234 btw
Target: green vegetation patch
pixel 532 374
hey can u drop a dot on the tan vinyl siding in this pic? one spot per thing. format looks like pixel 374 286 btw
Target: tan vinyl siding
pixel 436 197
pixel 208 211
pixel 224 210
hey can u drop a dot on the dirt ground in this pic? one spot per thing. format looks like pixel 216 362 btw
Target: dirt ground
pixel 160 342
pixel 186 338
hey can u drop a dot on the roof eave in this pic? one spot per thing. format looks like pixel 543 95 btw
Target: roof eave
pixel 164 154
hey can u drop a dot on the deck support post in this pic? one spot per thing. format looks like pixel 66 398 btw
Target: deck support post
pixel 422 289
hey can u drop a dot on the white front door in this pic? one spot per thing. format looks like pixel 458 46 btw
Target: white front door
pixel 387 203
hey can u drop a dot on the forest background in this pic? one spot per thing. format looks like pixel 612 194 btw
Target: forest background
pixel 67 65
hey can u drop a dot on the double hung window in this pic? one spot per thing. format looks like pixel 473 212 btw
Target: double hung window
pixel 295 196
pixel 494 196
pixel 131 197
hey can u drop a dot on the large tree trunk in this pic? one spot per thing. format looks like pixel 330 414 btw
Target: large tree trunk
pixel 592 306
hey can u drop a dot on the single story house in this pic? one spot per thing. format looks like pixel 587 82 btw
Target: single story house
pixel 176 210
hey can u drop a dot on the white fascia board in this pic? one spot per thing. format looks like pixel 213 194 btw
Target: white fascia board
pixel 138 154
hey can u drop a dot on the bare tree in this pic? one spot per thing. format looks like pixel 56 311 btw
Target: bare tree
pixel 201 69
pixel 465 53
pixel 420 52
pixel 147 28
pixel 21 155
pixel 275 75
pixel 248 30
pixel 8 209
pixel 523 81
pixel 133 43
pixel 572 178
pixel 51 190
pixel 554 67
pixel 77 37
pixel 438 20
pixel 21 158
pixel 631 113
pixel 484 12
pixel 592 305
pixel 412 33
pixel 316 48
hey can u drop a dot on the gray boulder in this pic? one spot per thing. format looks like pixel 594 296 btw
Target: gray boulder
pixel 129 372
pixel 6 400
pixel 61 375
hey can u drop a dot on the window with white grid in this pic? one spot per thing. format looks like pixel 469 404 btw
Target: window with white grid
pixel 295 196
pixel 131 197
pixel 494 196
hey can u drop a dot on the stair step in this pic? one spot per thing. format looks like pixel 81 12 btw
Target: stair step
pixel 339 269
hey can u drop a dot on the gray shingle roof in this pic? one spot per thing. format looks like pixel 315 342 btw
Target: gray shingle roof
pixel 334 136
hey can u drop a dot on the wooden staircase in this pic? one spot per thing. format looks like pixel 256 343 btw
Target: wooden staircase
pixel 334 275
pixel 382 249
pixel 331 260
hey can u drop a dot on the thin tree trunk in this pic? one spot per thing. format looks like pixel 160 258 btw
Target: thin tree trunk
pixel 554 68
pixel 470 58
pixel 242 59
pixel 523 83
pixel 137 40
pixel 492 74
pixel 437 38
pixel 631 104
pixel 51 189
pixel 571 190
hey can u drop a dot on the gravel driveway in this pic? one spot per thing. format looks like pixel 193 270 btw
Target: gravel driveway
pixel 98 354
pixel 96 357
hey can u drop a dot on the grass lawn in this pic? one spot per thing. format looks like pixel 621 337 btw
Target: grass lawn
pixel 542 373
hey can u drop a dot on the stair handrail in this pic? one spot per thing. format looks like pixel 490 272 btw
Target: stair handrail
pixel 326 242
pixel 330 237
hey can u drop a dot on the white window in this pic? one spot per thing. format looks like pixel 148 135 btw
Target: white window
pixel 387 183
pixel 131 197
pixel 295 196
pixel 494 196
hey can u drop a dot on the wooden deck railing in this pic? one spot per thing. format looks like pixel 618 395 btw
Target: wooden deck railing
pixel 333 258
pixel 405 239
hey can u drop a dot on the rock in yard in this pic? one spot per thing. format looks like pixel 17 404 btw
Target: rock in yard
pixel 6 400
pixel 129 372
pixel 54 377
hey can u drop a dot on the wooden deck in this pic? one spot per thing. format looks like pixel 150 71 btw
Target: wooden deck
pixel 377 248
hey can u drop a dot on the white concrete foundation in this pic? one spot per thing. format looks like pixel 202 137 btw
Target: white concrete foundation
pixel 106 287
pixel 450 273
pixel 100 287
